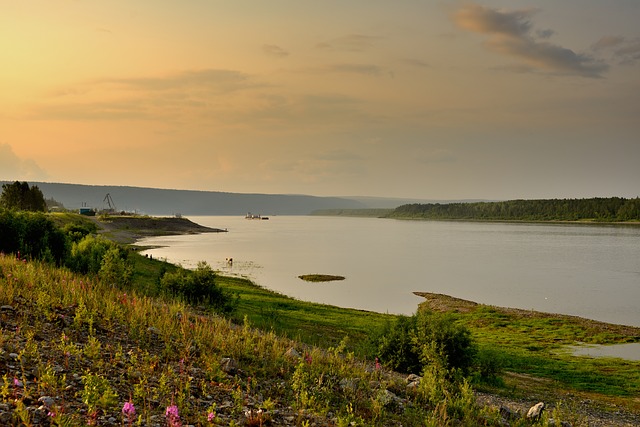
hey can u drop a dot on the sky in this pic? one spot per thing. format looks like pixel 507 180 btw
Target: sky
pixel 413 99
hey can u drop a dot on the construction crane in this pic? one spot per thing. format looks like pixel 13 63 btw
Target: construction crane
pixel 110 202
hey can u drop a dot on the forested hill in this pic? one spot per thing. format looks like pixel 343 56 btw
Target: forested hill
pixel 613 209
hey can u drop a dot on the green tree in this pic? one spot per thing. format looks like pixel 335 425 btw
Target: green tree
pixel 19 196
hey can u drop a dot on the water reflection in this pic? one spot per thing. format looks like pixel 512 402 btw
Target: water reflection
pixel 628 351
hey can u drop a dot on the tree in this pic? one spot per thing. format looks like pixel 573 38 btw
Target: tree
pixel 19 196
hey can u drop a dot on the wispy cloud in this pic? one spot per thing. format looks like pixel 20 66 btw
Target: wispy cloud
pixel 142 98
pixel 211 79
pixel 438 155
pixel 416 63
pixel 346 68
pixel 350 43
pixel 625 51
pixel 511 33
pixel 275 51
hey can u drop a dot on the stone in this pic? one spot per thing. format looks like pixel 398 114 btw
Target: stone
pixel 229 365
pixel 535 411
pixel 153 330
pixel 413 381
pixel 293 353
pixel 388 398
pixel 508 414
pixel 47 401
pixel 350 384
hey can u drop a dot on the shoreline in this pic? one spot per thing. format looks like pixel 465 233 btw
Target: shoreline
pixel 447 303
pixel 130 229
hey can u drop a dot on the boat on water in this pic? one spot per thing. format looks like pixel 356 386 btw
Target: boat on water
pixel 253 216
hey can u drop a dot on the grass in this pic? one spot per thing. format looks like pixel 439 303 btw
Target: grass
pixel 89 350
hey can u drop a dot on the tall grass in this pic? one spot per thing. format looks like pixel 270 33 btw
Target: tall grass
pixel 91 348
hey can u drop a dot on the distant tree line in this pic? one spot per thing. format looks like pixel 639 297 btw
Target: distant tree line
pixel 19 196
pixel 612 209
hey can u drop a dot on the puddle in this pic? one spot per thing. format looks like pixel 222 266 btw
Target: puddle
pixel 628 351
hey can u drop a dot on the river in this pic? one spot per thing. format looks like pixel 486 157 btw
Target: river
pixel 591 271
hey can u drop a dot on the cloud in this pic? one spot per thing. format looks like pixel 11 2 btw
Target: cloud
pixel 350 43
pixel 345 68
pixel 273 50
pixel 220 81
pixel 511 33
pixel 625 51
pixel 416 63
pixel 141 98
pixel 438 155
pixel 607 42
pixel 13 168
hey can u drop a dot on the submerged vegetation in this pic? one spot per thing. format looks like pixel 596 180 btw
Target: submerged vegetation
pixel 91 332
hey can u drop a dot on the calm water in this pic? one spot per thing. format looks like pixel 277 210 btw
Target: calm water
pixel 589 271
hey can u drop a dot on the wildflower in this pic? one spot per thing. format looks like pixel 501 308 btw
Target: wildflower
pixel 211 416
pixel 129 410
pixel 51 414
pixel 172 416
pixel 307 358
pixel 16 382
pixel 377 364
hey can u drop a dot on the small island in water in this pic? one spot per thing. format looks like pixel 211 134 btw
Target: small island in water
pixel 320 277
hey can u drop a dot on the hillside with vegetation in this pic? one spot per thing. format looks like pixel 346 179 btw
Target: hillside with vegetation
pixel 613 209
pixel 93 333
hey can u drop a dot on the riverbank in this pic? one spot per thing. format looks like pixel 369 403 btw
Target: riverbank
pixel 127 229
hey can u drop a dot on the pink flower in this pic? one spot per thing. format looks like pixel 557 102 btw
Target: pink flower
pixel 377 364
pixel 211 416
pixel 129 409
pixel 172 416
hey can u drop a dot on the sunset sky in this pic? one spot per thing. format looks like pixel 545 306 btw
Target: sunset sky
pixel 416 99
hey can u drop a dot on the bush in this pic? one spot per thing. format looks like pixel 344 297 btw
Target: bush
pixel 198 287
pixel 33 236
pixel 88 256
pixel 114 269
pixel 489 366
pixel 427 338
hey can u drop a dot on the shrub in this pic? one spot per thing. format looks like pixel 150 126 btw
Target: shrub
pixel 33 235
pixel 427 338
pixel 199 286
pixel 114 270
pixel 87 254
